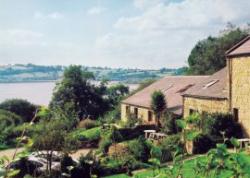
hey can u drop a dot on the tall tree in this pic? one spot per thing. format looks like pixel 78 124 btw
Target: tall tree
pixel 158 104
pixel 208 56
pixel 75 94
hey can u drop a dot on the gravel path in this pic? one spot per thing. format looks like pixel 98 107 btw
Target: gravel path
pixel 80 152
pixel 10 152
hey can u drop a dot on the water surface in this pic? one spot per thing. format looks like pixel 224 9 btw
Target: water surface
pixel 36 92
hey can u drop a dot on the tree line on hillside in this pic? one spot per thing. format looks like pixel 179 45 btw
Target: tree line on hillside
pixel 31 72
pixel 208 55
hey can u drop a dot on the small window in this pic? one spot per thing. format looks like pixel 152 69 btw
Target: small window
pixel 127 110
pixel 136 112
pixel 236 114
pixel 150 116
pixel 191 111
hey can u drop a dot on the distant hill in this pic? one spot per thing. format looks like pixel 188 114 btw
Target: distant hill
pixel 32 73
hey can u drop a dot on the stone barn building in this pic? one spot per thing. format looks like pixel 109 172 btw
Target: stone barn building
pixel 171 86
pixel 226 91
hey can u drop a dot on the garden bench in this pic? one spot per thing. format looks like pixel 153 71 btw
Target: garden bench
pixel 148 133
pixel 156 136
pixel 244 142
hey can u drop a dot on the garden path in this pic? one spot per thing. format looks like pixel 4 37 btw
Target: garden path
pixel 10 152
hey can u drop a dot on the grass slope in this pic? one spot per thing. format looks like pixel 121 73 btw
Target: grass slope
pixel 188 170
pixel 90 134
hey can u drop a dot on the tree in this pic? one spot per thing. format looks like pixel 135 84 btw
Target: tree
pixel 116 93
pixel 52 136
pixel 158 104
pixel 76 94
pixel 20 107
pixel 208 56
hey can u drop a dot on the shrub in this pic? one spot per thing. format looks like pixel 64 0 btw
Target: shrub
pixel 8 118
pixel 104 144
pixel 87 135
pixel 131 121
pixel 87 124
pixel 171 142
pixel 20 107
pixel 3 146
pixel 8 122
pixel 118 150
pixel 112 116
pixel 202 144
pixel 169 145
pixel 66 161
pixel 168 124
pixel 43 113
pixel 109 136
pixel 156 153
pixel 139 149
pixel 83 170
pixel 214 124
pixel 111 165
pixel 115 135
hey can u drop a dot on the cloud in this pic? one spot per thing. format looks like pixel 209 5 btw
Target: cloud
pixel 186 14
pixel 144 4
pixel 20 37
pixel 96 10
pixel 164 33
pixel 53 15
pixel 148 34
pixel 25 46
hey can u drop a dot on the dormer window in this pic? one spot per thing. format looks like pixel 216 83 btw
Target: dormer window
pixel 212 82
pixel 185 88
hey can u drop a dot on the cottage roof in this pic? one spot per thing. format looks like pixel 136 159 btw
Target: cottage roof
pixel 241 48
pixel 171 86
pixel 214 86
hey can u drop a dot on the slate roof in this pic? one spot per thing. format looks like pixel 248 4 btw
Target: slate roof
pixel 171 86
pixel 241 48
pixel 214 86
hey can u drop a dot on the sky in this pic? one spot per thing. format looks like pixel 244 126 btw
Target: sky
pixel 148 34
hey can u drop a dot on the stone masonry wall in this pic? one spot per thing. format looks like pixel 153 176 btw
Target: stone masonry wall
pixel 241 90
pixel 200 105
pixel 142 113
pixel 206 105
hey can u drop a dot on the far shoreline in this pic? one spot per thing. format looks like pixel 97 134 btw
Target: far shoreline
pixel 54 81
pixel 33 81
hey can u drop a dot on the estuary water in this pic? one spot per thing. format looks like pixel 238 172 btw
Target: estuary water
pixel 36 92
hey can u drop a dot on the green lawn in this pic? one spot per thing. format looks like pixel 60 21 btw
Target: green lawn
pixel 187 170
pixel 90 134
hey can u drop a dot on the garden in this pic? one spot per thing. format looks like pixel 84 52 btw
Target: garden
pixel 84 116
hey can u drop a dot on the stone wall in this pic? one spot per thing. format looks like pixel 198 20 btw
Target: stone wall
pixel 142 113
pixel 205 105
pixel 240 77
